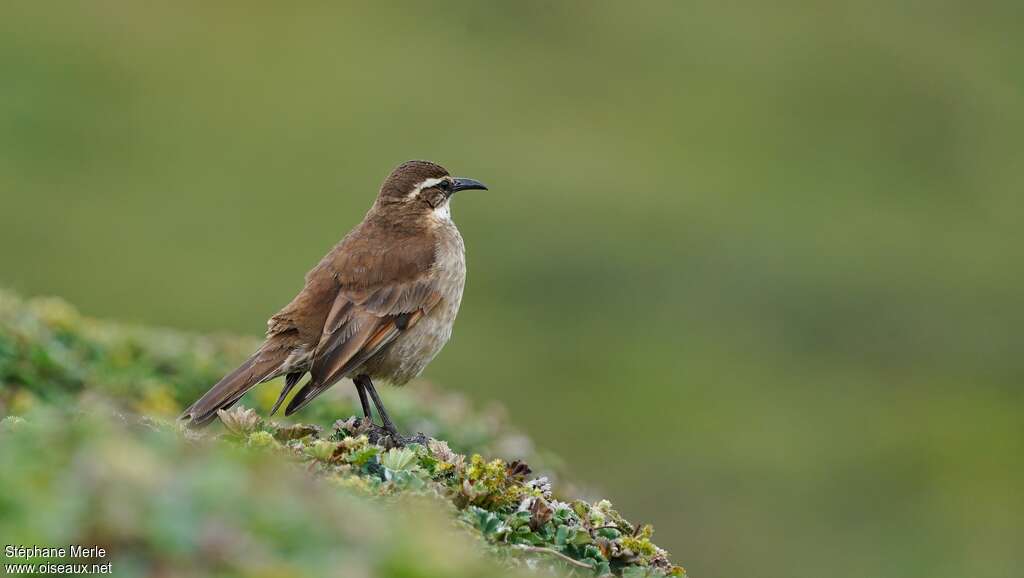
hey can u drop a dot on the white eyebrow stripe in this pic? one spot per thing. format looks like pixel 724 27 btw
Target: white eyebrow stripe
pixel 426 184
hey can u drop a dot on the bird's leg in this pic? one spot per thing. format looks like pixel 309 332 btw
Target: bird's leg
pixel 361 388
pixel 388 424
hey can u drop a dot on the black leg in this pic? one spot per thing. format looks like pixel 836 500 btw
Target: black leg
pixel 361 388
pixel 388 424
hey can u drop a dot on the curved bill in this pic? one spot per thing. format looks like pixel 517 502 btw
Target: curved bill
pixel 467 184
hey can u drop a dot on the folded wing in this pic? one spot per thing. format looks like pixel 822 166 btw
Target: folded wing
pixel 382 293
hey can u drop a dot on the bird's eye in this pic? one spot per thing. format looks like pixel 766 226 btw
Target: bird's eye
pixel 444 185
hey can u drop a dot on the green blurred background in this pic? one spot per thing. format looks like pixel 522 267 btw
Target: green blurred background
pixel 768 254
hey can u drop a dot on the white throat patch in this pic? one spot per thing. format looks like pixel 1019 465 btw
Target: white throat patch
pixel 443 212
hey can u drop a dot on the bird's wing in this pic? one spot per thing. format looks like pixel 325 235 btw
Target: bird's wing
pixel 384 289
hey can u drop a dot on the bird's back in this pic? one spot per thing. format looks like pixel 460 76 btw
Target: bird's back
pixel 370 257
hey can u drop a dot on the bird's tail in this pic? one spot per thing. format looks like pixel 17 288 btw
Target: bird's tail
pixel 265 364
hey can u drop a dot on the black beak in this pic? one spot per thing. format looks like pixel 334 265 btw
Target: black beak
pixel 466 185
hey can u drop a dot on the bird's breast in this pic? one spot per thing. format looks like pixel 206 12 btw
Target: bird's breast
pixel 411 351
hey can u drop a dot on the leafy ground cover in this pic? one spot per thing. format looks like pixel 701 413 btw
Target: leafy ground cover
pixel 90 454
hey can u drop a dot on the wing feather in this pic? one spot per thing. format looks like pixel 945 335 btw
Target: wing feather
pixel 381 294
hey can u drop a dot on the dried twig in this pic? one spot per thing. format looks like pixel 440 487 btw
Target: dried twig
pixel 542 550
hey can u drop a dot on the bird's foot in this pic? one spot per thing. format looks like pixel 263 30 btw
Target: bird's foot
pixel 390 438
pixel 417 438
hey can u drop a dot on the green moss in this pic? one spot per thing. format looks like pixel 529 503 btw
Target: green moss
pixel 302 497
pixel 488 484
pixel 262 439
pixel 640 544
pixel 321 450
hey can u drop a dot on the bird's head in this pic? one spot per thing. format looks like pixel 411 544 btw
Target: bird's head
pixel 422 187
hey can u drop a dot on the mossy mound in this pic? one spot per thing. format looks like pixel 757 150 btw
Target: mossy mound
pixel 94 457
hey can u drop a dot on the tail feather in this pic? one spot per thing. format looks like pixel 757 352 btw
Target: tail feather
pixel 289 383
pixel 263 365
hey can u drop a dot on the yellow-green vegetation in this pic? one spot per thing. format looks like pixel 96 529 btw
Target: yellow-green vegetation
pixel 90 454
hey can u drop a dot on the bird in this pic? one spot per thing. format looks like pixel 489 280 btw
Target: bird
pixel 379 306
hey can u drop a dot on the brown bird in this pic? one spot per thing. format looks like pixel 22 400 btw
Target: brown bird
pixel 379 305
